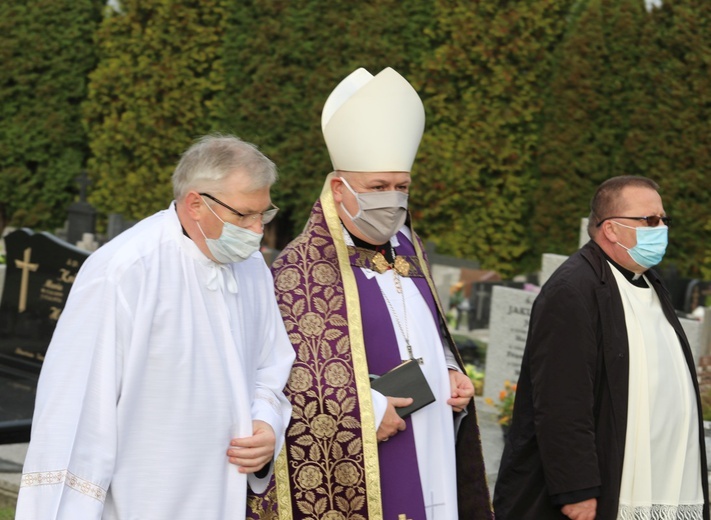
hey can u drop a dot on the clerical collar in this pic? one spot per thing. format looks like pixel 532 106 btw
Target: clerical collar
pixel 384 249
pixel 181 224
pixel 635 279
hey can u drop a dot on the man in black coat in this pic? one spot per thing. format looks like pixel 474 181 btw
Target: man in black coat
pixel 602 325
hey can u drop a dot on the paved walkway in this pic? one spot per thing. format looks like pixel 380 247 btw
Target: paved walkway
pixel 11 458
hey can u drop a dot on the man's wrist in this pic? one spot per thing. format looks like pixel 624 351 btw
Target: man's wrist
pixel 573 497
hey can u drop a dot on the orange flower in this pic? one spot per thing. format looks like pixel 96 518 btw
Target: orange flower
pixel 505 404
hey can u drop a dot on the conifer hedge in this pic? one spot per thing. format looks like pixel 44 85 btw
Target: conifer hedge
pixel 586 120
pixel 153 92
pixel 46 52
pixel 670 136
pixel 530 105
pixel 282 59
pixel 630 95
pixel 482 86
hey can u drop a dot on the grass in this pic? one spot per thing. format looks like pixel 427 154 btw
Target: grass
pixel 7 513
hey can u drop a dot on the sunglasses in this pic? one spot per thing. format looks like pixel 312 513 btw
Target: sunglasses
pixel 651 220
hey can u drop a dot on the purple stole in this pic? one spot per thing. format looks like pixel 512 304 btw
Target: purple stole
pixel 400 485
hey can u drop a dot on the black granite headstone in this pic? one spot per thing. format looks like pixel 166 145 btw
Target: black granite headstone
pixel 39 274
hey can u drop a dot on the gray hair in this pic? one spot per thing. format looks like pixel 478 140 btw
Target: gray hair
pixel 213 158
pixel 606 200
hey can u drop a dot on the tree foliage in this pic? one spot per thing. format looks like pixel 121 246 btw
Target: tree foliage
pixel 46 52
pixel 630 96
pixel 592 94
pixel 670 134
pixel 530 105
pixel 152 94
pixel 283 58
pixel 482 85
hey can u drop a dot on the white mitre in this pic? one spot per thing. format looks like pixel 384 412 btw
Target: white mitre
pixel 373 123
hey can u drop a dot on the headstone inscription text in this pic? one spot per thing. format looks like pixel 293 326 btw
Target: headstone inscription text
pixel 508 328
pixel 40 273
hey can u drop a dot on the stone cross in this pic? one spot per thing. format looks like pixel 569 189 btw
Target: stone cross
pixel 83 181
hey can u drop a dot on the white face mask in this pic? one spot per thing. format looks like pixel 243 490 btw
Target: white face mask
pixel 380 213
pixel 234 244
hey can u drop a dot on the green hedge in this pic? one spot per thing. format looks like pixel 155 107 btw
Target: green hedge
pixel 530 105
pixel 152 94
pixel 282 59
pixel 482 86
pixel 46 52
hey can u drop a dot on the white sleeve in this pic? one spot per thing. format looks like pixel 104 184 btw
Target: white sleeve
pixel 380 405
pixel 71 456
pixel 276 358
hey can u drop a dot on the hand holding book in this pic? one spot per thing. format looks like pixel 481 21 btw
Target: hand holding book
pixel 405 380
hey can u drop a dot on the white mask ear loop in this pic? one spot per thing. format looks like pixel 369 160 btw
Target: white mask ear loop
pixel 212 210
pixel 355 194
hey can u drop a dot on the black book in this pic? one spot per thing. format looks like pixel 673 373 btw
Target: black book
pixel 405 380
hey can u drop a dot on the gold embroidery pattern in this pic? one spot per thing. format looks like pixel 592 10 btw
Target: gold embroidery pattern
pixel 325 453
pixel 68 479
pixel 264 507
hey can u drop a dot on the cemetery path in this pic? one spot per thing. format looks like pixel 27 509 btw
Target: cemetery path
pixel 12 456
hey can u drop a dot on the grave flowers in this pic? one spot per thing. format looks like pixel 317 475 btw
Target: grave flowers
pixel 505 405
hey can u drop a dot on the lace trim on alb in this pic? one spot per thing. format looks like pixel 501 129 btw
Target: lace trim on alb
pixel 69 479
pixel 661 512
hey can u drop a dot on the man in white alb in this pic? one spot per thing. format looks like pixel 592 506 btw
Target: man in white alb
pixel 607 419
pixel 170 345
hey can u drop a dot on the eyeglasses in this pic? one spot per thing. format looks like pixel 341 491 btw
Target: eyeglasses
pixel 651 220
pixel 247 220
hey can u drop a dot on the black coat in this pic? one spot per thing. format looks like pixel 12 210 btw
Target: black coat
pixel 570 414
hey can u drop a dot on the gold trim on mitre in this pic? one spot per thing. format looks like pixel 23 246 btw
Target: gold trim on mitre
pixel 373 123
pixel 360 363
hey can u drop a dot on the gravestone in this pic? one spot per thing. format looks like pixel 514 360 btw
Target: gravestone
pixel 583 237
pixel 549 263
pixel 480 298
pixel 40 270
pixel 81 215
pixel 698 332
pixel 697 294
pixel 117 225
pixel 508 328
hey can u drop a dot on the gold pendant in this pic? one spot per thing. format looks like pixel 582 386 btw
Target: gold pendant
pixel 402 266
pixel 380 265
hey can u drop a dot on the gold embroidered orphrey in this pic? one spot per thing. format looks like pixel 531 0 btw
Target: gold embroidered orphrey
pixel 329 467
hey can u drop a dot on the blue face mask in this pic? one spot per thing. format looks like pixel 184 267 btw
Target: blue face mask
pixel 651 244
